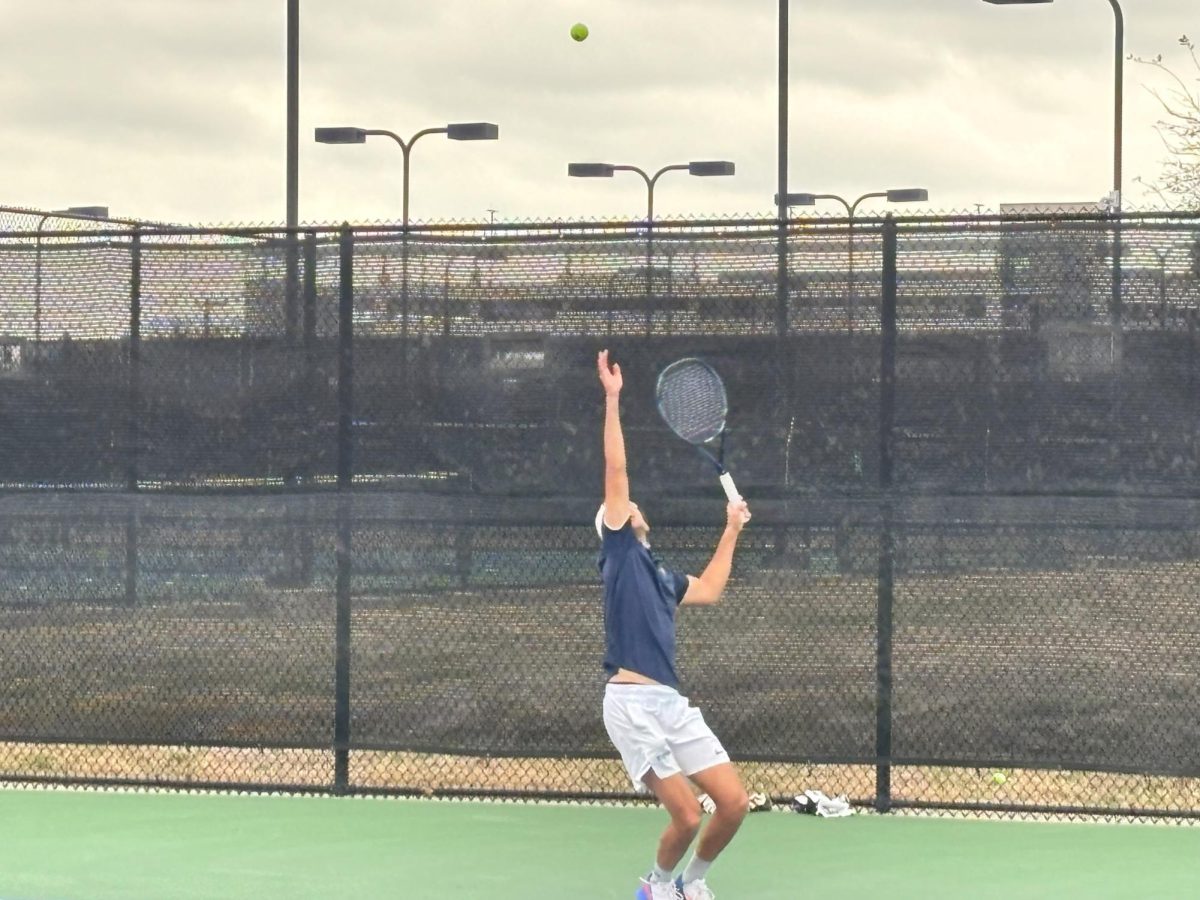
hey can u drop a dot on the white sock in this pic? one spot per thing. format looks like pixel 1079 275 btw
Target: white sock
pixel 661 875
pixel 696 869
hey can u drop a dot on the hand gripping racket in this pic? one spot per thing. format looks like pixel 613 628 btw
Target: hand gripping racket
pixel 691 400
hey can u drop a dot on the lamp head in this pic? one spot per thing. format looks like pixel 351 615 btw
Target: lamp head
pixel 797 200
pixel 341 135
pixel 590 170
pixel 90 212
pixel 909 195
pixel 711 168
pixel 473 131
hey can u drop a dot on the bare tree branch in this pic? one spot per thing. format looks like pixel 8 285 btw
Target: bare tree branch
pixel 1179 130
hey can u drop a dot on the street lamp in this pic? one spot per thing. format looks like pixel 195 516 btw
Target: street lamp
pixel 700 169
pixel 459 131
pixel 897 195
pixel 71 212
pixel 1118 99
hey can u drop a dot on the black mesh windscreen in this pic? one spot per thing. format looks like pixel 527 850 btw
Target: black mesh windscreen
pixel 317 509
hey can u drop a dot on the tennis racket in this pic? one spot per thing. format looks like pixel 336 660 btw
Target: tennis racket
pixel 691 400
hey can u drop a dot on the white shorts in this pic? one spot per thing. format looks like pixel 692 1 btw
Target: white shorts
pixel 654 728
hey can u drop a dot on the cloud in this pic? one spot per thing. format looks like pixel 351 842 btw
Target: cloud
pixel 175 109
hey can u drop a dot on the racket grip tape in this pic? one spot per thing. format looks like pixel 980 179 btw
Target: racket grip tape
pixel 730 491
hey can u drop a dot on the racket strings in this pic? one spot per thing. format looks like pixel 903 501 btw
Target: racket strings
pixel 692 402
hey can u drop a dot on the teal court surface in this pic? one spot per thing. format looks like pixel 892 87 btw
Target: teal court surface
pixel 89 845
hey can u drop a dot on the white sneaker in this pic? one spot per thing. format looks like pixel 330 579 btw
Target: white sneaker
pixel 697 890
pixel 658 890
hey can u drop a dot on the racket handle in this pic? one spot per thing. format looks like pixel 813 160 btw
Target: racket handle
pixel 730 491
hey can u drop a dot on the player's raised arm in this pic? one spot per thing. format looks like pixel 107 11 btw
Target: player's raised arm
pixel 708 587
pixel 616 479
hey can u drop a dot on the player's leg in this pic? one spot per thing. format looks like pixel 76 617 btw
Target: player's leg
pixel 630 717
pixel 676 796
pixel 723 784
pixel 705 761
pixel 724 788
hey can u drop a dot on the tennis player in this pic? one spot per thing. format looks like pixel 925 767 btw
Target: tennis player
pixel 663 741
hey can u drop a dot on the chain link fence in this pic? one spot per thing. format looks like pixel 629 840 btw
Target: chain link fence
pixel 313 511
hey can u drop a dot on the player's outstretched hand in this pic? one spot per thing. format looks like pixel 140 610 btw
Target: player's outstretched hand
pixel 737 515
pixel 609 377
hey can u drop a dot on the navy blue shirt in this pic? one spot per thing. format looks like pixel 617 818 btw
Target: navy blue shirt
pixel 640 598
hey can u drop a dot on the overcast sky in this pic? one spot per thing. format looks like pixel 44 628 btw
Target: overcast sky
pixel 175 109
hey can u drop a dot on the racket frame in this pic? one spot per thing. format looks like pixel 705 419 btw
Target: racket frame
pixel 717 459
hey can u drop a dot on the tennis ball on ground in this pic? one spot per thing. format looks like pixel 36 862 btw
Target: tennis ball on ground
pixel 579 31
pixel 999 777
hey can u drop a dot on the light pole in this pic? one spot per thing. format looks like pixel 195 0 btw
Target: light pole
pixel 292 173
pixel 702 169
pixel 781 174
pixel 461 131
pixel 898 195
pixel 1118 102
pixel 71 212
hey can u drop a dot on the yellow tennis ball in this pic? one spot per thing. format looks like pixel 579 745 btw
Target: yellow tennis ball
pixel 579 31
pixel 999 777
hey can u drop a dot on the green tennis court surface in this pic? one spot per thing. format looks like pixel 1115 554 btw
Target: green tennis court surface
pixel 58 845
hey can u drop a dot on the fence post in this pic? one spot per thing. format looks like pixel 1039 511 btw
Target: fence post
pixel 887 546
pixel 784 368
pixel 1192 316
pixel 1194 369
pixel 133 432
pixel 345 476
pixel 291 289
pixel 309 325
